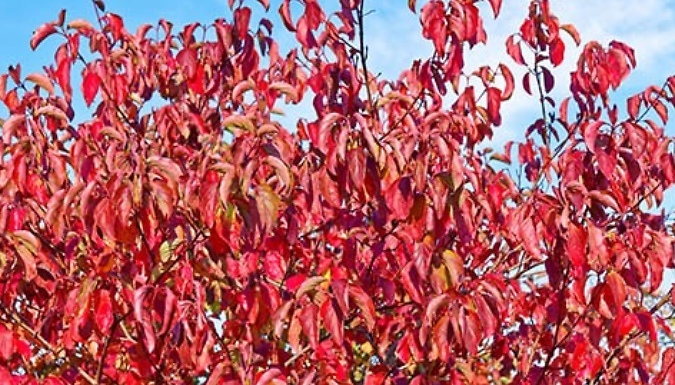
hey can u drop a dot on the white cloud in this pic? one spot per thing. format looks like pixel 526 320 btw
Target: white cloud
pixel 394 39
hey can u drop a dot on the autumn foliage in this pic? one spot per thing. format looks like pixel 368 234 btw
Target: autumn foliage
pixel 174 231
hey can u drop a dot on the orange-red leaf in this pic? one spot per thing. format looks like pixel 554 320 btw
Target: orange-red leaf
pixel 572 31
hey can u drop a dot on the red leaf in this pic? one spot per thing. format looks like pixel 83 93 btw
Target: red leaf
pixel 576 245
pixel 267 203
pixel 188 60
pixel 455 265
pixel 591 133
pixel 104 312
pixel 169 306
pixel 557 51
pixel 81 25
pixel 332 322
pixel 494 97
pixel 633 106
pixel 3 86
pixel 6 343
pixel 115 25
pixel 487 318
pixel 469 327
pixel 143 318
pixel 27 246
pixel 549 81
pixel 5 376
pixel 63 77
pixel 526 83
pixel 11 125
pixel 309 322
pixel 285 12
pixel 434 305
pixel 90 85
pixel 618 288
pixel 513 49
pixel 242 18
pixel 627 50
pixel 496 6
pixel 399 197
pixel 365 304
pixel 411 282
pixel 661 110
pixel 265 3
pixel 607 161
pixel 281 170
pixel 357 167
pixel 100 5
pixel 530 238
pixel 508 79
pixel 274 266
pixel 41 33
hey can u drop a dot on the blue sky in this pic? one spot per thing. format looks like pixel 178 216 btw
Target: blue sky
pixel 393 35
pixel 394 39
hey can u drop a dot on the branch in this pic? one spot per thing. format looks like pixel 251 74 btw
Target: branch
pixel 104 352
pixel 363 52
pixel 664 300
pixel 16 319
pixel 302 351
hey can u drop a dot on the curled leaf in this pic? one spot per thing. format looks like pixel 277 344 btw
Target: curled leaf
pixel 44 31
pixel 42 81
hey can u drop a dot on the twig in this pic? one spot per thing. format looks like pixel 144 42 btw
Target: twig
pixel 16 319
pixel 363 52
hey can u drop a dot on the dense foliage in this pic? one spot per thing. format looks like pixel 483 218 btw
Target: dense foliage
pixel 178 233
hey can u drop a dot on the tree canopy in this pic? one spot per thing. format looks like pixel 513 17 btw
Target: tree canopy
pixel 178 232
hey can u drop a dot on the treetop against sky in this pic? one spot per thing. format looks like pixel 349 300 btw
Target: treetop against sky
pixel 341 192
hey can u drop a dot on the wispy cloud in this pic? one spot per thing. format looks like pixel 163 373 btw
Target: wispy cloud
pixel 648 26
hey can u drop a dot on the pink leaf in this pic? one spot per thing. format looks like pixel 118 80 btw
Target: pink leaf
pixel 42 81
pixel 41 33
pixel 269 376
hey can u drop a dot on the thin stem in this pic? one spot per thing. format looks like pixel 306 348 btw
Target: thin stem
pixel 16 319
pixel 363 52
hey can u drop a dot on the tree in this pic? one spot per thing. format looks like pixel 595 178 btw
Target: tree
pixel 180 234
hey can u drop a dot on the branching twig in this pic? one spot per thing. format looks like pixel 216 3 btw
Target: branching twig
pixel 363 53
pixel 16 319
